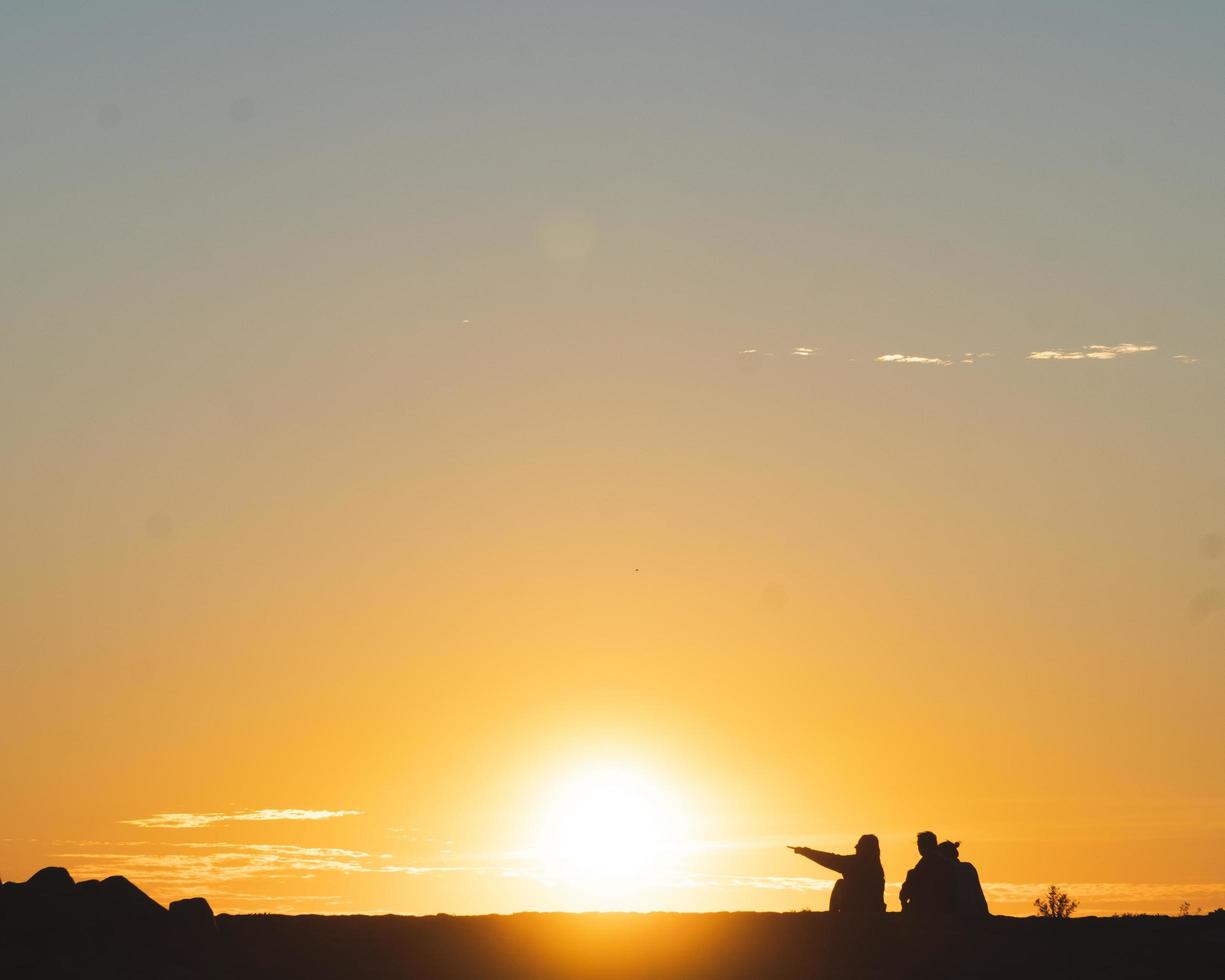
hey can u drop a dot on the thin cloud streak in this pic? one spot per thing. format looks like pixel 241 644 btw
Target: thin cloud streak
pixel 1090 352
pixel 204 864
pixel 763 882
pixel 193 821
pixel 184 866
pixel 1109 894
pixel 1087 352
pixel 912 359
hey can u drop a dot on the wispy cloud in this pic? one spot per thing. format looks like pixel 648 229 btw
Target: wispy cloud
pixel 786 883
pixel 414 869
pixel 198 865
pixel 1090 352
pixel 1056 355
pixel 912 359
pixel 1109 896
pixel 212 868
pixel 1086 352
pixel 193 821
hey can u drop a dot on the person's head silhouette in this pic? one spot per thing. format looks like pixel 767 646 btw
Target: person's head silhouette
pixel 949 849
pixel 868 846
pixel 927 843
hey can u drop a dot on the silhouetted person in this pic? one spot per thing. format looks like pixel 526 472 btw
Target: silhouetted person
pixel 929 886
pixel 969 902
pixel 861 889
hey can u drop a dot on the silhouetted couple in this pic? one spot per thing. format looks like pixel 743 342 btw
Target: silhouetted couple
pixel 939 886
pixel 942 884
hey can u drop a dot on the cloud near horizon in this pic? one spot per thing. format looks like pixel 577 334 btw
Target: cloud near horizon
pixel 192 821
pixel 1087 352
pixel 786 883
pixel 912 359
pixel 231 873
pixel 197 864
pixel 1090 352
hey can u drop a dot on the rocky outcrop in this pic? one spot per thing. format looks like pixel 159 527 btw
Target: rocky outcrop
pixel 51 898
pixel 52 926
pixel 47 882
pixel 192 922
pixel 192 911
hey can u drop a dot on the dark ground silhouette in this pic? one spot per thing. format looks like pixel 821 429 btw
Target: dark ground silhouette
pixel 51 927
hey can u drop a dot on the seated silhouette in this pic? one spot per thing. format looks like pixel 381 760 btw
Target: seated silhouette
pixel 969 902
pixel 929 889
pixel 861 889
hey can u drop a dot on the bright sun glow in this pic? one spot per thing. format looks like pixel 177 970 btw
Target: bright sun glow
pixel 610 822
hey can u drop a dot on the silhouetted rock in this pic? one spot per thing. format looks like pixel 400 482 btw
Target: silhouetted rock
pixel 53 927
pixel 47 895
pixel 117 898
pixel 192 921
pixel 50 881
pixel 195 911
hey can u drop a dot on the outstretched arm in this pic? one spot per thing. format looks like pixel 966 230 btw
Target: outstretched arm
pixel 835 862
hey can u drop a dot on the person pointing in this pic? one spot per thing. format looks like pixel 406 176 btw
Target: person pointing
pixel 861 889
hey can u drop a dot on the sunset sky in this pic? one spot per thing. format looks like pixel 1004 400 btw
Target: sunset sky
pixel 472 457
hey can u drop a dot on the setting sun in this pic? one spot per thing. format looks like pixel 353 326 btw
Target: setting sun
pixel 608 821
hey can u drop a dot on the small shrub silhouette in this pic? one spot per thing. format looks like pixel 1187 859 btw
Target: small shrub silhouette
pixel 1056 904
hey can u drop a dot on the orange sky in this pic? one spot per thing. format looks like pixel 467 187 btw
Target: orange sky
pixel 408 415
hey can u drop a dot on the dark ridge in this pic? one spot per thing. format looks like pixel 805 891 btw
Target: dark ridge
pixel 52 928
pixel 49 881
